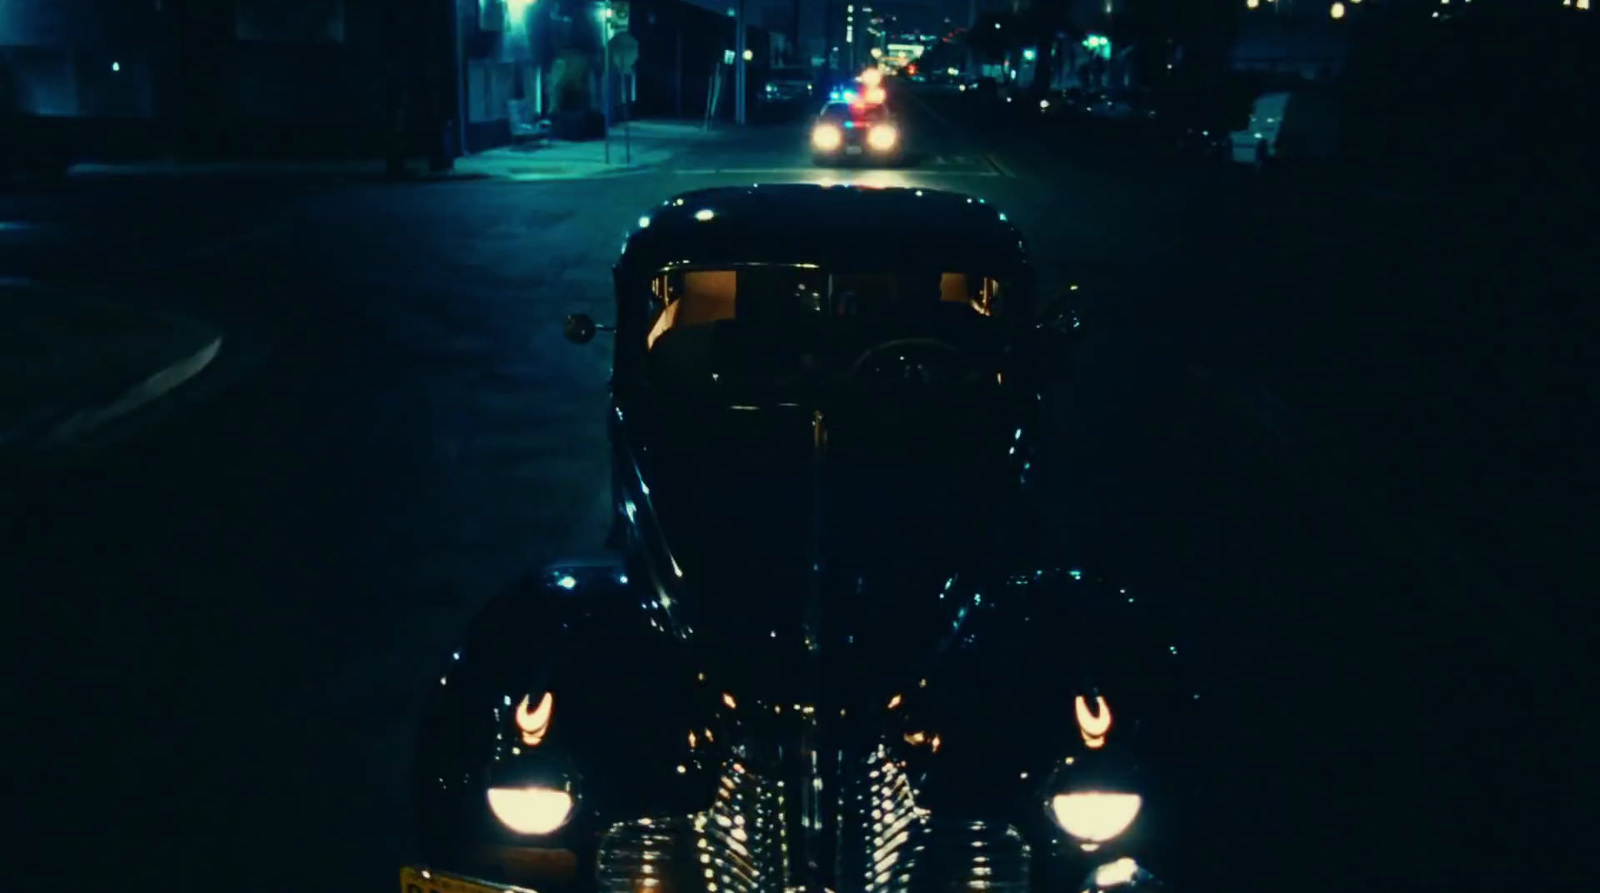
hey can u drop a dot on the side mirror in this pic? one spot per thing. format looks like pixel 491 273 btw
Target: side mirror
pixel 1062 319
pixel 1058 333
pixel 580 328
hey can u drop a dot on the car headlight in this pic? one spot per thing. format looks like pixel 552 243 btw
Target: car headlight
pixel 826 137
pixel 882 137
pixel 531 810
pixel 1095 816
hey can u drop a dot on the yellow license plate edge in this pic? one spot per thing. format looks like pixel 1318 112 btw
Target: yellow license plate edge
pixel 424 880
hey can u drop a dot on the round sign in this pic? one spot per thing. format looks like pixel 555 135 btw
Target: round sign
pixel 624 51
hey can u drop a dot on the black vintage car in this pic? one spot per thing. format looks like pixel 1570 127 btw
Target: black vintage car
pixel 826 653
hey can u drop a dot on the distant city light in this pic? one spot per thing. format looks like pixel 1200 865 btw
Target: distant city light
pixel 1337 10
pixel 749 54
pixel 1252 3
pixel 116 66
pixel 1029 55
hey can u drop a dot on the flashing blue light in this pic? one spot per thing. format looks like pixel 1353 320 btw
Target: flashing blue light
pixel 567 582
pixel 835 96
pixel 851 96
pixel 849 125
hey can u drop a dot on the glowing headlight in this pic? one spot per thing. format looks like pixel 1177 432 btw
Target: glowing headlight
pixel 1093 816
pixel 881 137
pixel 1116 874
pixel 530 810
pixel 826 137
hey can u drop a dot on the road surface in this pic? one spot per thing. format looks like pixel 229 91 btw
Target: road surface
pixel 225 619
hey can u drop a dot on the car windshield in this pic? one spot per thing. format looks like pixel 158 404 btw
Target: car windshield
pixel 836 112
pixel 776 296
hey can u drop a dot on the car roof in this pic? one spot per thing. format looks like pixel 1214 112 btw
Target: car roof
pixel 833 226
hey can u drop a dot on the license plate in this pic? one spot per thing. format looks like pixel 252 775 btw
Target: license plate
pixel 422 880
pixel 417 880
pixel 852 150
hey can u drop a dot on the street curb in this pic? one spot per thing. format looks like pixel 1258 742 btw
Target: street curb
pixel 599 175
pixel 85 422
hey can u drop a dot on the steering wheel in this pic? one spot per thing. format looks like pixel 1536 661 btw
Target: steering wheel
pixel 913 361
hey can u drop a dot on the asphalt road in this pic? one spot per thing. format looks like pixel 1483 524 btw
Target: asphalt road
pixel 1308 421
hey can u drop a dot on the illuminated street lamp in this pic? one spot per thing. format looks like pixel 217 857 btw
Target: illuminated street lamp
pixel 1337 10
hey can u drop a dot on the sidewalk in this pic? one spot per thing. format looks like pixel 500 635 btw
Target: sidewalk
pixel 634 147
pixel 70 365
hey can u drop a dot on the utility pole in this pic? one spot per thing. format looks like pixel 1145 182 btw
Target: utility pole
pixel 738 62
pixel 794 37
pixel 677 67
pixel 605 74
pixel 827 42
pixel 972 28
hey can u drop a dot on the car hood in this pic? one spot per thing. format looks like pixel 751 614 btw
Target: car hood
pixel 852 554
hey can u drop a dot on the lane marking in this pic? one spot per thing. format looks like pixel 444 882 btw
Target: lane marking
pixel 146 392
pixel 999 166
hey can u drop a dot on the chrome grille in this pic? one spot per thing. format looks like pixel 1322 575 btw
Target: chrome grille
pixel 888 844
pixel 647 856
pixel 881 831
pixel 736 846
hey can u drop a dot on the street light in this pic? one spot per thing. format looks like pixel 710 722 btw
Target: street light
pixel 1336 11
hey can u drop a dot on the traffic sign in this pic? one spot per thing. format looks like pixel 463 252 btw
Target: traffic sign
pixel 617 15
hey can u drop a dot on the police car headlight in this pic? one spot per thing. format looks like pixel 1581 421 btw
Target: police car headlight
pixel 1095 816
pixel 827 137
pixel 882 137
pixel 531 810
